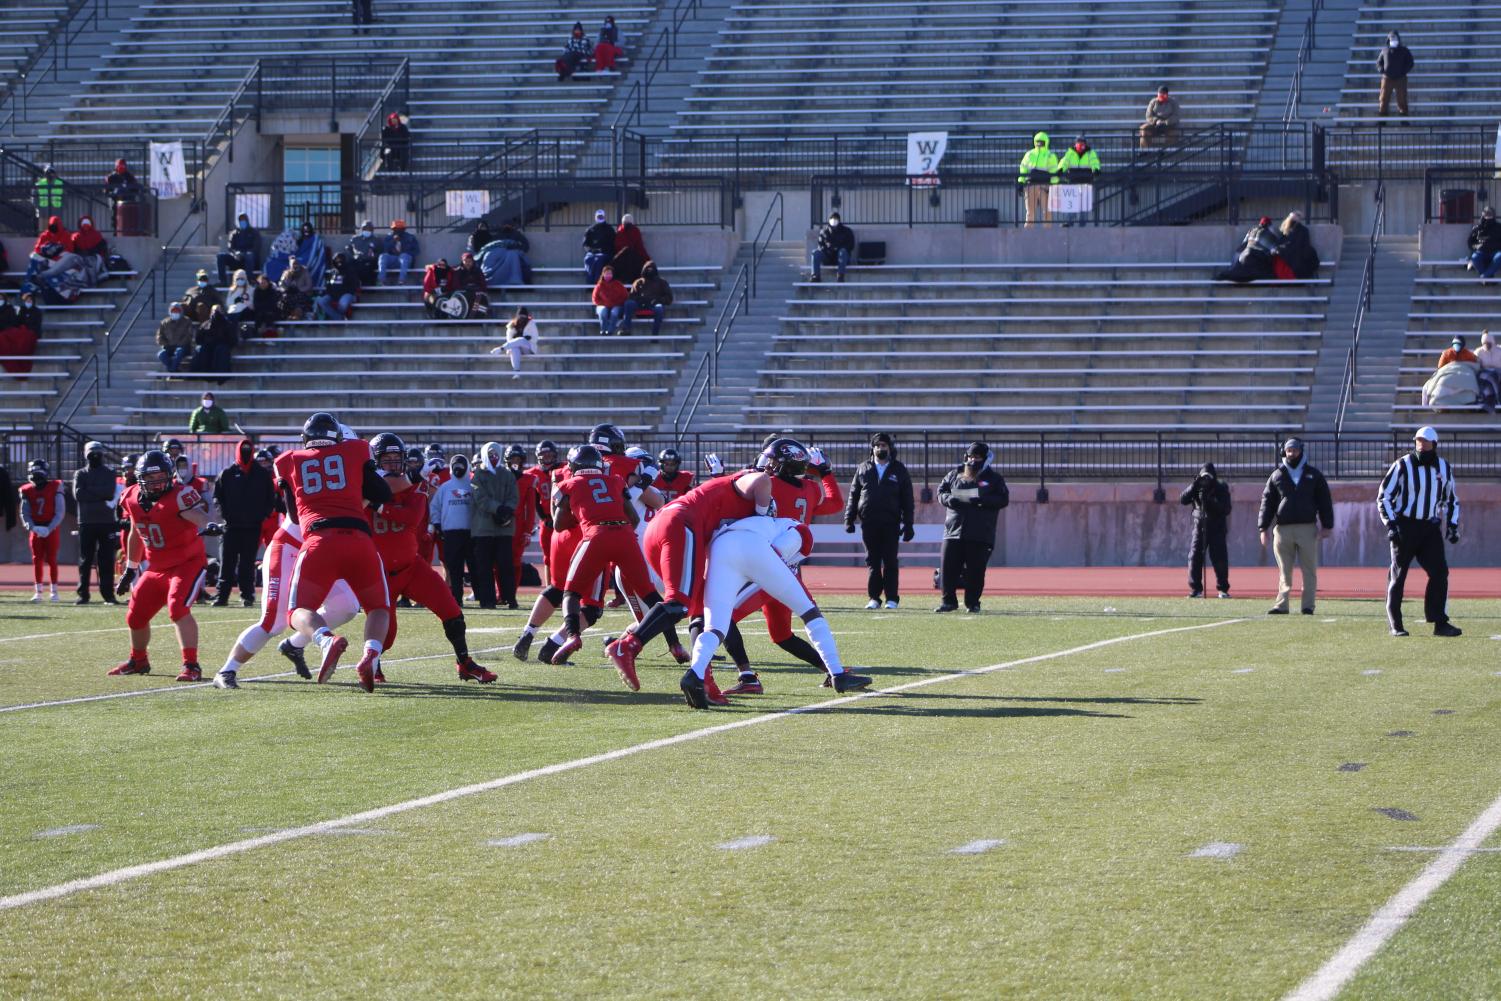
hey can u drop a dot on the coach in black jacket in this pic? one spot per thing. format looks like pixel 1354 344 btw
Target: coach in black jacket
pixel 974 495
pixel 246 497
pixel 1296 500
pixel 94 491
pixel 1210 498
pixel 881 497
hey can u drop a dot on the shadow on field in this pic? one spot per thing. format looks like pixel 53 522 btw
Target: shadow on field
pixel 1103 700
pixel 946 712
pixel 525 693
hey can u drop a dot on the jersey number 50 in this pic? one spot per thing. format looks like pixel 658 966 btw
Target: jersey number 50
pixel 320 473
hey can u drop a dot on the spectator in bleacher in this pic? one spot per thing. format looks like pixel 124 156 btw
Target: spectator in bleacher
pixel 1253 261
pixel 174 338
pixel 437 285
pixel 1394 63
pixel 209 417
pixel 124 193
pixel 1485 245
pixel 241 250
pixel 609 298
pixel 1293 504
pixel 651 292
pixel 599 246
pixel 479 237
pixel 296 290
pixel 363 15
pixel 18 337
pixel 90 244
pixel 836 246
pixel 607 49
pixel 880 495
pixel 30 314
pixel 341 287
pixel 1079 165
pixel 469 279
pixel 1162 122
pixel 214 343
pixel 238 302
pixel 50 251
pixel 522 338
pixel 265 305
pixel 1489 357
pixel 47 194
pixel 974 494
pixel 199 300
pixel 1295 256
pixel 1037 173
pixel 577 52
pixel 503 257
pixel 1456 351
pixel 363 253
pixel 630 251
pixel 396 143
pixel 397 253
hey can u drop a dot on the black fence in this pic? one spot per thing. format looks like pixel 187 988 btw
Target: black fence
pixel 1167 459
pixel 1457 194
pixel 82 196
pixel 1401 151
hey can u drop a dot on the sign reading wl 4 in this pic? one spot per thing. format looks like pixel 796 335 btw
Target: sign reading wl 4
pixel 466 204
pixel 924 151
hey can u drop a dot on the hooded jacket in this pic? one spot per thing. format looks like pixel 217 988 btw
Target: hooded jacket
pixel 55 233
pixel 880 501
pixel 496 495
pixel 1485 237
pixel 453 503
pixel 244 492
pixel 1284 502
pixel 94 492
pixel 1039 164
pixel 89 240
pixel 244 240
pixel 1079 167
pixel 973 505
pixel 1395 61
pixel 651 289
pixel 1210 498
pixel 211 421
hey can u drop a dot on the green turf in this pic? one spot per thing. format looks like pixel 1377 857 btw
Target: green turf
pixel 1102 771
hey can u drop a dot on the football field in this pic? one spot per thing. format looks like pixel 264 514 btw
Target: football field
pixel 1059 798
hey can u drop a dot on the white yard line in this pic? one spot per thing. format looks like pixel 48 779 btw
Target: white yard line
pixel 366 817
pixel 1332 977
pixel 115 629
pixel 190 686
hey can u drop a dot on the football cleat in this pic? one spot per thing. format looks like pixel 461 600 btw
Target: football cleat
pixel 380 677
pixel 132 667
pixel 749 684
pixel 828 680
pixel 36 596
pixel 679 654
pixel 367 669
pixel 331 654
pixel 548 649
pixel 226 680
pixel 470 671
pixel 873 603
pixel 523 645
pixel 711 689
pixel 190 672
pixel 847 682
pixel 294 654
pixel 615 602
pixel 1447 629
pixel 54 599
pixel 693 690
pixel 622 653
pixel 570 646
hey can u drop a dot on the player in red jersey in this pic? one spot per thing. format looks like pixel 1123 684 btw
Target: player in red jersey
pixel 42 515
pixel 564 540
pixel 331 479
pixel 397 525
pixel 677 541
pixel 610 441
pixel 166 518
pixel 595 500
pixel 673 481
pixel 801 498
pixel 547 461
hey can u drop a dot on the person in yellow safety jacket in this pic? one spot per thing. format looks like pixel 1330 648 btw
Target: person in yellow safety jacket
pixel 48 194
pixel 1039 170
pixel 1079 165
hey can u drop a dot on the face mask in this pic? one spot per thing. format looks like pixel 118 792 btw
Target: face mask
pixel 176 314
pixel 883 453
pixel 1393 42
pixel 367 232
pixel 244 224
pixel 95 459
pixel 208 404
pixel 203 283
pixel 973 462
pixel 834 223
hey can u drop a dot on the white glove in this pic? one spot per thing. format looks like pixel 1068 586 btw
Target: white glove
pixel 41 531
pixel 816 456
pixel 715 466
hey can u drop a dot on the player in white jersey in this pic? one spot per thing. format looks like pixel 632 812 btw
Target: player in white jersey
pixel 277 566
pixel 759 550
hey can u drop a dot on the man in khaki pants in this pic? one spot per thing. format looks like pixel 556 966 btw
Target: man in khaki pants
pixel 1294 504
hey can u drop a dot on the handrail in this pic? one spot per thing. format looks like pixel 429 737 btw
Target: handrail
pixel 1305 52
pixel 376 119
pixel 57 44
pixel 1362 304
pixel 224 125
pixel 92 363
pixel 758 249
pixel 664 47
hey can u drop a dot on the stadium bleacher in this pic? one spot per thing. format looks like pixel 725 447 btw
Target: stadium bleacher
pixel 1457 57
pixel 974 347
pixel 27 26
pixel 1447 301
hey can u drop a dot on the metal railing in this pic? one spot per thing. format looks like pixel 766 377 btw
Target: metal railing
pixel 18 177
pixel 1403 151
pixel 663 48
pixel 393 99
pixel 737 302
pixel 1305 51
pixel 52 54
pixel 1362 304
pixel 1459 194
pixel 224 127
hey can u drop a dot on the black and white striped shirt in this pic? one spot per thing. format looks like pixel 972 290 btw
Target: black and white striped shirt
pixel 1411 489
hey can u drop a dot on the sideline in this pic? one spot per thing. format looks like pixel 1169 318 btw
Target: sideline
pixel 366 817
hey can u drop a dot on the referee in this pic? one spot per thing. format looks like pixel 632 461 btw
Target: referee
pixel 1418 505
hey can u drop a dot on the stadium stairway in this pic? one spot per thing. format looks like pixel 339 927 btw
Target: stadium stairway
pixel 749 343
pixel 1446 300
pixel 57 88
pixel 1323 74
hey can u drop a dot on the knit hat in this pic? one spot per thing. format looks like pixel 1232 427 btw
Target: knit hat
pixel 881 437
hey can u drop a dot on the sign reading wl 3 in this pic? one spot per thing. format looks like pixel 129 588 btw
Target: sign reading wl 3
pixel 924 152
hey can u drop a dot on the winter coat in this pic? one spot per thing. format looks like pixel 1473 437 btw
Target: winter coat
pixel 176 333
pixel 362 248
pixel 1284 502
pixel 832 239
pixel 244 493
pixel 496 497
pixel 242 241
pixel 629 235
pixel 198 302
pixel 94 493
pixel 470 279
pixel 1394 62
pixel 1209 498
pixel 1486 237
pixel 1297 250
pixel 610 293
pixel 880 501
pixel 973 504
pixel 600 238
pixel 210 421
pixel 651 289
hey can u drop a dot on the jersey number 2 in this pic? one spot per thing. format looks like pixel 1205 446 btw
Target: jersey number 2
pixel 601 489
pixel 320 473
